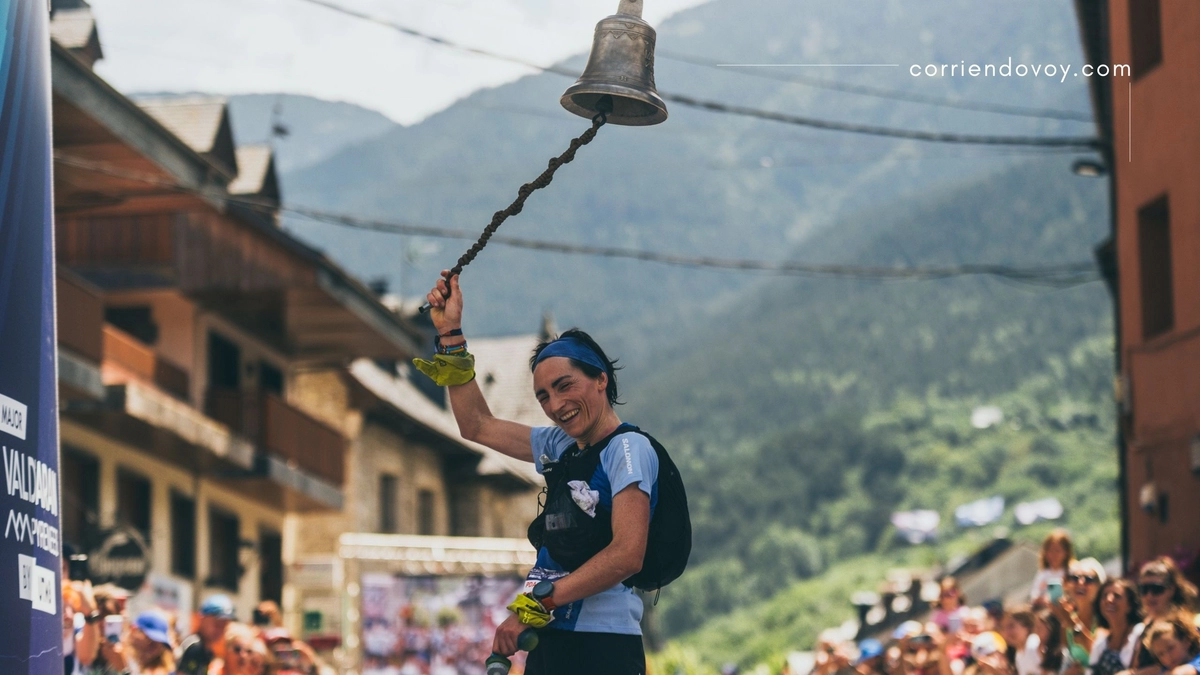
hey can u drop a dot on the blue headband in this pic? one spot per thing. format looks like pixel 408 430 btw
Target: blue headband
pixel 575 349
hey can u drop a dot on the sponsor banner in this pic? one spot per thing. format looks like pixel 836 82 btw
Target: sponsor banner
pixel 31 593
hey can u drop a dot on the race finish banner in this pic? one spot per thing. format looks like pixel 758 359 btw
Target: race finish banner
pixel 31 640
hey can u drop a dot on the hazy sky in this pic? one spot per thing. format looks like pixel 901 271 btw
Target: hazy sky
pixel 257 46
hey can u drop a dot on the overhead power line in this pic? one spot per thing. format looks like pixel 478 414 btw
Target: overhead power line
pixel 879 92
pixel 1080 142
pixel 1060 275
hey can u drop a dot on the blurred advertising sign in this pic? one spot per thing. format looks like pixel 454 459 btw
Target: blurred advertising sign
pixel 980 512
pixel 916 527
pixel 1028 513
pixel 432 624
pixel 119 557
pixel 418 605
pixel 170 594
pixel 31 594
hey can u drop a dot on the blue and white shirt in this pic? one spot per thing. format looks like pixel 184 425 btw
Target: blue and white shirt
pixel 628 459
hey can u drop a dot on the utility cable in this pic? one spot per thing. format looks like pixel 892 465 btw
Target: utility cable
pixel 1060 275
pixel 880 92
pixel 1080 142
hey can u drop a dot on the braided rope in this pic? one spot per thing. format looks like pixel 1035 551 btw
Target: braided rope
pixel 527 189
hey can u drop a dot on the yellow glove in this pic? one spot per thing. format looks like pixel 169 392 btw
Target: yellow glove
pixel 530 612
pixel 448 371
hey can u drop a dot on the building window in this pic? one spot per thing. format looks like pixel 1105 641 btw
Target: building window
pixel 270 378
pixel 425 512
pixel 137 321
pixel 224 363
pixel 80 496
pixel 183 535
pixel 224 538
pixel 389 487
pixel 464 511
pixel 270 571
pixel 1154 252
pixel 1145 36
pixel 133 502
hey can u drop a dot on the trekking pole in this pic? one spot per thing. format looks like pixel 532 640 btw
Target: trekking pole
pixel 496 664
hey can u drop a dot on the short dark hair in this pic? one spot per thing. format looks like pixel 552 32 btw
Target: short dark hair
pixel 587 368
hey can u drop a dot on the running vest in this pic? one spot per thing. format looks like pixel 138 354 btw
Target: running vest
pixel 572 537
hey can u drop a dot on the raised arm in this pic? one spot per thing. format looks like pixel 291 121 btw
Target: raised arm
pixel 475 419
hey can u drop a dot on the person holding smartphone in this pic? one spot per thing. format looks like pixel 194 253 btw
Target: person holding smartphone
pixel 110 618
pixel 1054 560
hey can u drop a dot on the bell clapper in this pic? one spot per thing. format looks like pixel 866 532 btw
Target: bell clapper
pixel 604 106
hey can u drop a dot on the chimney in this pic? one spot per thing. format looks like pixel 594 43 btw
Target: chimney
pixel 549 329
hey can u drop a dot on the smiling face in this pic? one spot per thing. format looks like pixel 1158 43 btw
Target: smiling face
pixel 571 399
pixel 1114 604
pixel 1082 585
pixel 246 655
pixel 1170 651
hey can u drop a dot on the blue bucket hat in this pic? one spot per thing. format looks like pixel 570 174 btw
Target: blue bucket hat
pixel 155 625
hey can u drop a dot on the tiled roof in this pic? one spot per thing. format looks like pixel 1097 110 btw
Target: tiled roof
pixel 254 171
pixel 402 395
pixel 194 119
pixel 502 370
pixel 72 28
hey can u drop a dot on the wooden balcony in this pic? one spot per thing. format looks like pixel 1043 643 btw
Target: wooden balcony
pixel 282 431
pixel 80 318
pixel 125 357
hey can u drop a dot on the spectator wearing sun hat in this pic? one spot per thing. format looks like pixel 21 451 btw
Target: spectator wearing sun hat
pixel 149 644
pixel 870 657
pixel 199 650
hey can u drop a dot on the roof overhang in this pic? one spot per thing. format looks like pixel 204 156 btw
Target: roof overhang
pixel 106 118
pixel 1093 31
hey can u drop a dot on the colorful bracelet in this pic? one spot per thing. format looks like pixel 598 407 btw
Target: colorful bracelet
pixel 453 350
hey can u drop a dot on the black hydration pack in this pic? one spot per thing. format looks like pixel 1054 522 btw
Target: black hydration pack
pixel 572 537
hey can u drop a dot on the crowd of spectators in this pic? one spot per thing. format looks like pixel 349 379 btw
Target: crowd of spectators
pixel 99 638
pixel 1077 621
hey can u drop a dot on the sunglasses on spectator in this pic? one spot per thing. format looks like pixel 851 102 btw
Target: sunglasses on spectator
pixel 1084 579
pixel 242 650
pixel 1151 589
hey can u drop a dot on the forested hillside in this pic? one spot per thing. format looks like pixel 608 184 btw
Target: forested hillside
pixel 792 349
pixel 702 183
pixel 811 410
pixel 802 411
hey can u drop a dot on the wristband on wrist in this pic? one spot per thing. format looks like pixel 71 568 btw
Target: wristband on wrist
pixel 451 333
pixel 459 349
pixel 93 617
pixel 453 350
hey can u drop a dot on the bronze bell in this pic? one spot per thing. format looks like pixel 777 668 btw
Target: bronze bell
pixel 619 77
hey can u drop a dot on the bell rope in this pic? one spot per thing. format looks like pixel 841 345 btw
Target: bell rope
pixel 523 193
